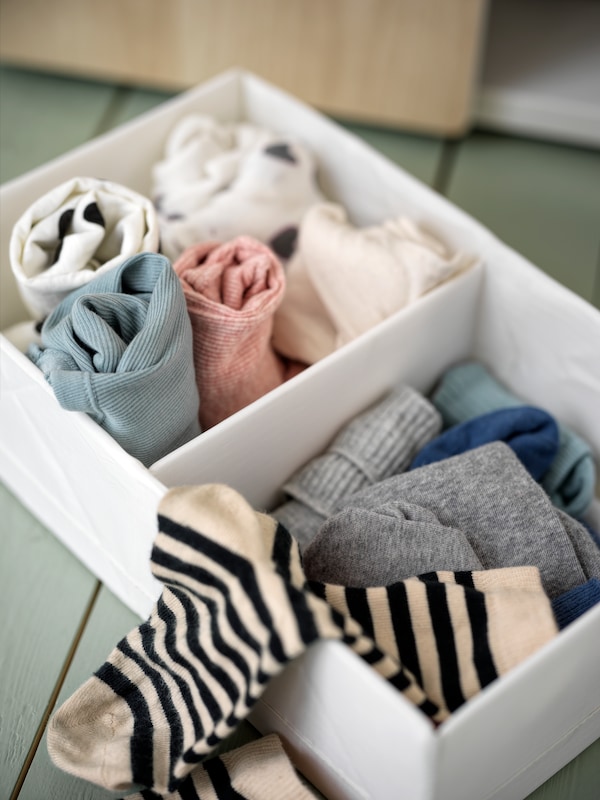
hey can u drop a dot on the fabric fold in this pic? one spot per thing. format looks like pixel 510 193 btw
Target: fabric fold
pixel 232 291
pixel 77 231
pixel 218 181
pixel 375 444
pixel 531 433
pixel 345 280
pixel 469 389
pixel 120 350
pixel 477 510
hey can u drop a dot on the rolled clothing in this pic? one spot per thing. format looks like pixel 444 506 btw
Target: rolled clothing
pixel 345 280
pixel 375 444
pixel 232 291
pixel 531 433
pixel 477 510
pixel 120 350
pixel 219 181
pixel 469 389
pixel 77 231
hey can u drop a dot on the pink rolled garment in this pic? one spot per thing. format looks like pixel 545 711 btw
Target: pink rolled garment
pixel 232 290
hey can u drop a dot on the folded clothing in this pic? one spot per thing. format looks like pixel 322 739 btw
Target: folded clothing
pixel 468 390
pixel 344 280
pixel 375 444
pixel 232 291
pixel 218 181
pixel 120 349
pixel 78 230
pixel 477 510
pixel 531 433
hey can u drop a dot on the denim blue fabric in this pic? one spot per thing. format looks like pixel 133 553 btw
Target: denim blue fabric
pixel 569 606
pixel 468 390
pixel 531 433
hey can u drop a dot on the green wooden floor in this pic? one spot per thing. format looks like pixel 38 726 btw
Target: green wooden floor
pixel 59 623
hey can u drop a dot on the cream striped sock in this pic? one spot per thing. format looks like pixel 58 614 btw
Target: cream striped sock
pixel 259 770
pixel 233 612
pixel 455 631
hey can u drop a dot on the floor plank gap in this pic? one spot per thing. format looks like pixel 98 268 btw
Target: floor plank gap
pixel 596 288
pixel 443 173
pixel 55 692
pixel 112 111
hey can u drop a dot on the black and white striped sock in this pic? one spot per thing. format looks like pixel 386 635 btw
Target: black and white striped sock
pixel 234 611
pixel 259 770
pixel 456 632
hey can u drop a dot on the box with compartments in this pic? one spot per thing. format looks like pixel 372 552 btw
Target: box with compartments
pixel 352 734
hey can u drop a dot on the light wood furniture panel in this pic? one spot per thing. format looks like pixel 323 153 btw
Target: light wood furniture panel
pixel 409 63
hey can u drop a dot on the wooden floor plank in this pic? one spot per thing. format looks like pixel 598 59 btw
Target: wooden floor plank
pixel 45 592
pixel 579 780
pixel 109 621
pixel 543 199
pixel 43 116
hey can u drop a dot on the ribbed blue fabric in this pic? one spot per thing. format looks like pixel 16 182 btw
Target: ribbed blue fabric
pixel 572 604
pixel 120 349
pixel 468 390
pixel 531 433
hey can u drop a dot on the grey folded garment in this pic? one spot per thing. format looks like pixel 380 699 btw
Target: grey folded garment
pixel 375 444
pixel 477 510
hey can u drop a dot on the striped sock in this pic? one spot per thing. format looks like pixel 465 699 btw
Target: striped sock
pixel 234 610
pixel 455 631
pixel 259 770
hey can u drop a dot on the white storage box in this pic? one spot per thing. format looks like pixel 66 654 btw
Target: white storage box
pixel 351 733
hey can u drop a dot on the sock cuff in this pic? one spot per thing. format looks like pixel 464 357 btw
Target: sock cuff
pixel 569 606
pixel 377 443
pixel 469 390
pixel 382 440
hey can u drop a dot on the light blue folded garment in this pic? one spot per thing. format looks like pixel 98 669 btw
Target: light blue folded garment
pixel 468 390
pixel 120 349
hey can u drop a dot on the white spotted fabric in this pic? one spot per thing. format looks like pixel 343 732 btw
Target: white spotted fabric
pixel 219 181
pixel 79 229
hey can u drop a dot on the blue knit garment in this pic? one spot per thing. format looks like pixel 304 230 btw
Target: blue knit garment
pixel 531 433
pixel 120 349
pixel 569 606
pixel 468 390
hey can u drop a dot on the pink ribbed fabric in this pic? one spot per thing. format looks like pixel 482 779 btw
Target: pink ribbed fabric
pixel 232 290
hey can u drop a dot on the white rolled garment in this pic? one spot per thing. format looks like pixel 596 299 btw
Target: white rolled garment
pixel 79 229
pixel 219 181
pixel 344 280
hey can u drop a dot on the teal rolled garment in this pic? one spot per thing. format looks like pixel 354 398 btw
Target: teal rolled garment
pixel 469 390
pixel 120 349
